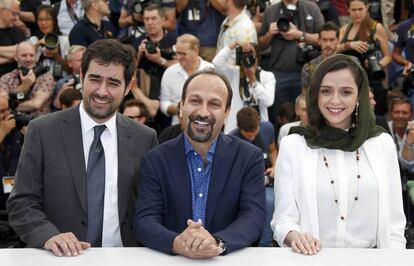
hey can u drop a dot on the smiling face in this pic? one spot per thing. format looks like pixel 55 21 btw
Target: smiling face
pixel 203 111
pixel 103 90
pixel 337 98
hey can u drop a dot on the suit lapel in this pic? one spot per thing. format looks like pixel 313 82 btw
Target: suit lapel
pixel 180 176
pixel 220 172
pixel 124 163
pixel 71 132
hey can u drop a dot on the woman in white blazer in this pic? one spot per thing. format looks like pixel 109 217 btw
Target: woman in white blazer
pixel 337 180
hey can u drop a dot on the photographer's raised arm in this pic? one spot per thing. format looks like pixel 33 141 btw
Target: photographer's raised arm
pixel 8 52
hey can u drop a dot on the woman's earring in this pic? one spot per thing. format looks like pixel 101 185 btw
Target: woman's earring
pixel 356 114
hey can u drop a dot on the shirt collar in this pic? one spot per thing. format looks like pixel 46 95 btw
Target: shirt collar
pixel 189 148
pixel 88 123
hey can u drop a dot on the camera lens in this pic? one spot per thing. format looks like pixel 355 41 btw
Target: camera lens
pixel 51 41
pixel 283 24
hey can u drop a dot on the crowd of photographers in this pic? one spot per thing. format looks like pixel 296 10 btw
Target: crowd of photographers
pixel 267 50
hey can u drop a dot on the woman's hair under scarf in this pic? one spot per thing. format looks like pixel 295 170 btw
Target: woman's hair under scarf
pixel 318 134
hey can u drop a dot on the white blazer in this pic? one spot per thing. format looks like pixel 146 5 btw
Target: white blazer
pixel 295 192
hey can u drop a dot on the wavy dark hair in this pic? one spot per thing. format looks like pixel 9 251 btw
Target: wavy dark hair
pixel 107 51
pixel 316 121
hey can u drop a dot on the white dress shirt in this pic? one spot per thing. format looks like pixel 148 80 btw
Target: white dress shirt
pixel 172 83
pixel 359 228
pixel 264 91
pixel 65 22
pixel 111 234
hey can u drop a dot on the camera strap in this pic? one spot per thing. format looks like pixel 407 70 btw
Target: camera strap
pixel 248 98
pixel 72 13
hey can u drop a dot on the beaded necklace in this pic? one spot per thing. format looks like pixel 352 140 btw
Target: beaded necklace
pixel 332 181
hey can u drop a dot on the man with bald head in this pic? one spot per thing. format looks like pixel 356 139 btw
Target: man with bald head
pixel 33 88
pixel 201 194
pixel 10 35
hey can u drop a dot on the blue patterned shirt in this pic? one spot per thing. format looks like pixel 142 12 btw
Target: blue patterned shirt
pixel 200 178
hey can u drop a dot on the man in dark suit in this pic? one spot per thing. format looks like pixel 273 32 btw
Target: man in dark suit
pixel 201 194
pixel 76 179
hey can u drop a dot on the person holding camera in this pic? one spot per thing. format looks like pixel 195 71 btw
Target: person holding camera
pixel 405 43
pixel 132 13
pixel 251 85
pixel 11 140
pixel 367 40
pixel 289 27
pixel 69 12
pixel 51 46
pixel 30 86
pixel 71 81
pixel 237 27
pixel 92 26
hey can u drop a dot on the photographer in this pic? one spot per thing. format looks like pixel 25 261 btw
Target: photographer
pixel 132 13
pixel 33 86
pixel 286 25
pixel 251 85
pixel 11 140
pixel 328 40
pixel 71 81
pixel 92 26
pixel 367 40
pixel 405 43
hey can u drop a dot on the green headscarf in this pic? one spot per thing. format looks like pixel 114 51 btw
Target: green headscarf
pixel 320 135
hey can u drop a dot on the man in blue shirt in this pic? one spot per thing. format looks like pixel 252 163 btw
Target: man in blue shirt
pixel 261 134
pixel 201 194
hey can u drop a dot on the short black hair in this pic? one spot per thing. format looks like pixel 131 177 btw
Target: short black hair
pixel 68 96
pixel 212 72
pixel 107 51
pixel 329 26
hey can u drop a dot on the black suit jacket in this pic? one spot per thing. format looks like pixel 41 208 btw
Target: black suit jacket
pixel 49 196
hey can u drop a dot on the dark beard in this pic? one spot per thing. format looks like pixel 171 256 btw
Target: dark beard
pixel 200 137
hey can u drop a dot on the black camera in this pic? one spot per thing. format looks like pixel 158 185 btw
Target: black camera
pixel 51 41
pixel 37 70
pixel 15 98
pixel 151 47
pixel 77 83
pixel 246 59
pixel 373 55
pixel 139 6
pixel 134 31
pixel 408 83
pixel 306 52
pixel 283 23
pixel 22 119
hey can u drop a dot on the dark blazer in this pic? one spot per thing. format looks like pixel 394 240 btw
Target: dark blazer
pixel 235 209
pixel 49 195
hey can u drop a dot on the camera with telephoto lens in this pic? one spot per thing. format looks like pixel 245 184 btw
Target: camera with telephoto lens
pixel 245 59
pixel 139 6
pixel 151 47
pixel 306 52
pixel 22 119
pixel 373 56
pixel 15 98
pixel 37 70
pixel 51 41
pixel 283 23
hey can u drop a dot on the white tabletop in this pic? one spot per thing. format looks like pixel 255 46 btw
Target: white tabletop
pixel 248 257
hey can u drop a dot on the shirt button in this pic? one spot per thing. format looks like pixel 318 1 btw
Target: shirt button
pixel 195 153
pixel 200 195
pixel 199 169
